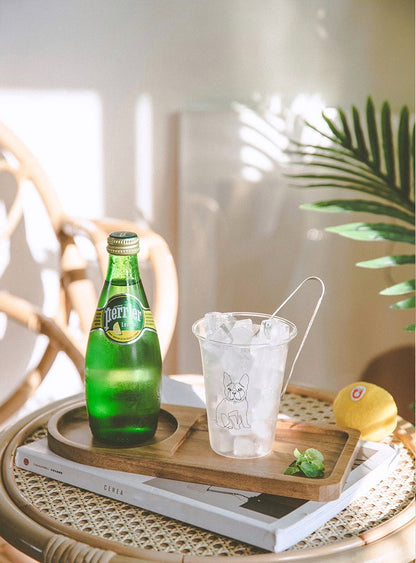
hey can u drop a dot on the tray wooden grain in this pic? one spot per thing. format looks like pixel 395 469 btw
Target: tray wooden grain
pixel 180 450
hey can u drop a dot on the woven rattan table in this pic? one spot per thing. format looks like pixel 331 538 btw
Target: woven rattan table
pixel 54 522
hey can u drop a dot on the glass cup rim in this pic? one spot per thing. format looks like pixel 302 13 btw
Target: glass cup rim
pixel 293 330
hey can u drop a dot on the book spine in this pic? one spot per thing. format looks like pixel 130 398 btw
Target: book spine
pixel 90 480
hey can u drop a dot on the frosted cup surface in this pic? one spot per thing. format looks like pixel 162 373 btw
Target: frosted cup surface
pixel 243 361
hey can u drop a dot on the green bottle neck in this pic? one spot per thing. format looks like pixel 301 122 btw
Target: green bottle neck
pixel 123 270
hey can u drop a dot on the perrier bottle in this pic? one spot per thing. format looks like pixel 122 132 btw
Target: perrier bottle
pixel 123 363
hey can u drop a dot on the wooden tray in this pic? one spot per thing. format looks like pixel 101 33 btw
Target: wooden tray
pixel 180 450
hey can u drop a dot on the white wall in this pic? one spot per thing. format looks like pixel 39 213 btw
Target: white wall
pixel 183 53
pixel 95 88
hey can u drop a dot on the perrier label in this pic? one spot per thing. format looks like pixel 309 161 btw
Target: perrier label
pixel 124 319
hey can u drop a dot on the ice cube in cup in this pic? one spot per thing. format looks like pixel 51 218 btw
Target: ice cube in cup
pixel 245 446
pixel 236 359
pixel 221 334
pixel 222 442
pixel 262 429
pixel 213 321
pixel 242 332
pixel 217 328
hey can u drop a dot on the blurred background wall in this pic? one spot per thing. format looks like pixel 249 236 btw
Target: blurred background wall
pixel 112 97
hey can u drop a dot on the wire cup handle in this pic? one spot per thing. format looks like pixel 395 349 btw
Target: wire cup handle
pixel 315 311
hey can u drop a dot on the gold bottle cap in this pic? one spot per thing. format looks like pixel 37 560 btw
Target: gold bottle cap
pixel 123 243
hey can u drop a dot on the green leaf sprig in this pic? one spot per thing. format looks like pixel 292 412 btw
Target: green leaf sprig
pixel 310 463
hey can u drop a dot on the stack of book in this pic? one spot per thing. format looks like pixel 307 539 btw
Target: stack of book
pixel 272 522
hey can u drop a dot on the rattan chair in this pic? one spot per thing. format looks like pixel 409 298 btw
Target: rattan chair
pixel 23 300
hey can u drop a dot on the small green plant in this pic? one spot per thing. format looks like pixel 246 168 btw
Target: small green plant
pixel 310 463
pixel 376 160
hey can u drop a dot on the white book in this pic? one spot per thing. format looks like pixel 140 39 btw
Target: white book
pixel 267 521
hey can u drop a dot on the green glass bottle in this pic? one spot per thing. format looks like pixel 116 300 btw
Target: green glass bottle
pixel 123 364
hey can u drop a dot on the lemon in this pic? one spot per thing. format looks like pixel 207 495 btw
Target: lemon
pixel 368 408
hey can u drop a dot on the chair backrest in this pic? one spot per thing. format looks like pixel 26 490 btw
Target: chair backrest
pixel 47 285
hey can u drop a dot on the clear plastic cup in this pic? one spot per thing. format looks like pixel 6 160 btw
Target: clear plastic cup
pixel 243 377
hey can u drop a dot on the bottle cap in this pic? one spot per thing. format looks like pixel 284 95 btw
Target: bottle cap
pixel 123 243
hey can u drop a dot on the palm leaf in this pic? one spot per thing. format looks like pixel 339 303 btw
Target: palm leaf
pixel 344 182
pixel 404 151
pixel 387 261
pixel 374 232
pixel 347 134
pixel 359 135
pixel 328 153
pixel 340 135
pixel 355 179
pixel 329 157
pixel 388 142
pixel 356 158
pixel 349 169
pixel 413 153
pixel 405 304
pixel 365 161
pixel 337 139
pixel 399 288
pixel 373 133
pixel 359 205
